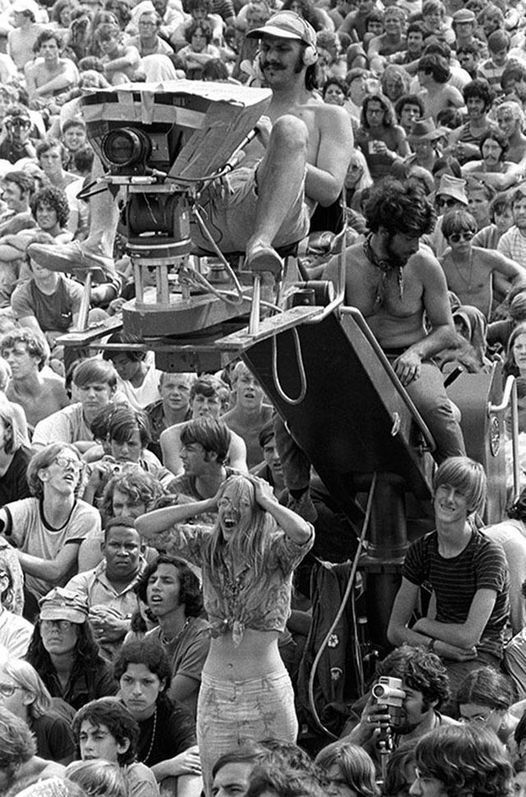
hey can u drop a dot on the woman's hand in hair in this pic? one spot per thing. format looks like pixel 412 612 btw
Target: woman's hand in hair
pixel 264 493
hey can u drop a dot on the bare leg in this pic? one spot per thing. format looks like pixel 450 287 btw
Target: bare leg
pixel 280 178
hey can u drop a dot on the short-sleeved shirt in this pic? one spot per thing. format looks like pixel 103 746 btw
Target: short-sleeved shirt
pixel 15 633
pixel 31 533
pixel 259 601
pixel 54 312
pixel 513 245
pixel 188 652
pixel 64 426
pixel 481 565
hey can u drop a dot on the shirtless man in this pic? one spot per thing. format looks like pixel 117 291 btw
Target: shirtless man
pixel 303 148
pixel 49 74
pixel 39 394
pixel 205 402
pixel 474 273
pixel 394 284
pixel 249 415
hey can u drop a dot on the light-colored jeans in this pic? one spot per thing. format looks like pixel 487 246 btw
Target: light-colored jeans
pixel 230 712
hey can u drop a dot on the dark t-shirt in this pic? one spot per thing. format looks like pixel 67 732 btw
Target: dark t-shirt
pixel 13 484
pixel 173 729
pixel 54 738
pixel 481 565
pixel 54 312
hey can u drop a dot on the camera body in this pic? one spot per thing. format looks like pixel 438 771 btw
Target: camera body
pixel 388 692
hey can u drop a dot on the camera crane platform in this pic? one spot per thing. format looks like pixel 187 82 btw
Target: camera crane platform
pixel 316 358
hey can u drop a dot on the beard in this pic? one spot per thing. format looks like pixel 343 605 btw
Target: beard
pixel 394 259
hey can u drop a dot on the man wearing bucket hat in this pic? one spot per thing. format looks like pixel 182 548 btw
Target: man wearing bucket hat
pixel 299 159
pixel 423 140
pixel 450 195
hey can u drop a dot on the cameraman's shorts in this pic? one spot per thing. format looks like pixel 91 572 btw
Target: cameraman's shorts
pixel 229 207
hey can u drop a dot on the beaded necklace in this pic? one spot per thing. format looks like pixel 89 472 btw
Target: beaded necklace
pixel 154 729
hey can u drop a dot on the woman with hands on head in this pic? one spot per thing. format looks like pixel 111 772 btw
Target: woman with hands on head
pixel 247 560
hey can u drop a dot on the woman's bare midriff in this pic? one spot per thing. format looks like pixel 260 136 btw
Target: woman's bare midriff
pixel 256 655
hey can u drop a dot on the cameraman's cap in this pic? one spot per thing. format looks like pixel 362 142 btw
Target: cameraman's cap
pixel 286 25
pixel 64 604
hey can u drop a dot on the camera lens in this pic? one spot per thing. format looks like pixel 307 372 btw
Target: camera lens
pixel 126 147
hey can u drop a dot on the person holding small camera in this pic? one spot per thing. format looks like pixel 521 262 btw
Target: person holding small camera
pixel 413 686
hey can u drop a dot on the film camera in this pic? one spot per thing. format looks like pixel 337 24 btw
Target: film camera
pixel 160 145
pixel 388 692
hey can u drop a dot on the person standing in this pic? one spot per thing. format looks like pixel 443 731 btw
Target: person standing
pixel 247 561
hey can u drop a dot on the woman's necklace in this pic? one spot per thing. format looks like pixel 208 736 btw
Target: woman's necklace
pixel 152 740
pixel 467 282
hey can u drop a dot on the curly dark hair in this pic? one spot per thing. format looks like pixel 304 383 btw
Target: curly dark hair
pixel 481 89
pixel 190 593
pixel 399 206
pixel 56 199
pixel 116 718
pixel 466 759
pixel 148 652
pixel 420 670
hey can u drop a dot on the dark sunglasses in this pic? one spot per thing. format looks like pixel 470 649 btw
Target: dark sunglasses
pixel 442 202
pixel 467 235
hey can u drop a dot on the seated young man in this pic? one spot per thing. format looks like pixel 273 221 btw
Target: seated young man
pixel 467 573
pixel 48 302
pixel 105 729
pixel 95 383
pixel 206 397
pixel 49 74
pixel 38 390
pixel 109 588
pixel 249 414
pixel 125 444
pixel 48 527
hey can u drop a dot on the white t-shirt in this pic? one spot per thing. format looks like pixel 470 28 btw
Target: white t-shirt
pixel 32 535
pixel 15 633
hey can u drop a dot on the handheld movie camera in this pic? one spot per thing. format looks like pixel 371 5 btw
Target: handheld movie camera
pixel 388 691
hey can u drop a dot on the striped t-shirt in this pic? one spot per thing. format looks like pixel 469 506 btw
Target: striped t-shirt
pixel 481 565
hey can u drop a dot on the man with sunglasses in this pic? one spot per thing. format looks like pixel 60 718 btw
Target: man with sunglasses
pixel 473 273
pixel 450 195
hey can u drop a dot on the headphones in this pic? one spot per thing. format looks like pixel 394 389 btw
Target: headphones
pixel 310 57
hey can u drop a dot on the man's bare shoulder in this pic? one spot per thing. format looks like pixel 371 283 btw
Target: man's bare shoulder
pixel 173 432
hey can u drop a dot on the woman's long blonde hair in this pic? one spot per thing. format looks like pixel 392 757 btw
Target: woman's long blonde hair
pixel 250 541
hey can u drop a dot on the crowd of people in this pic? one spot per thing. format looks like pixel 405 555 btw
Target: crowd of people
pixel 158 529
